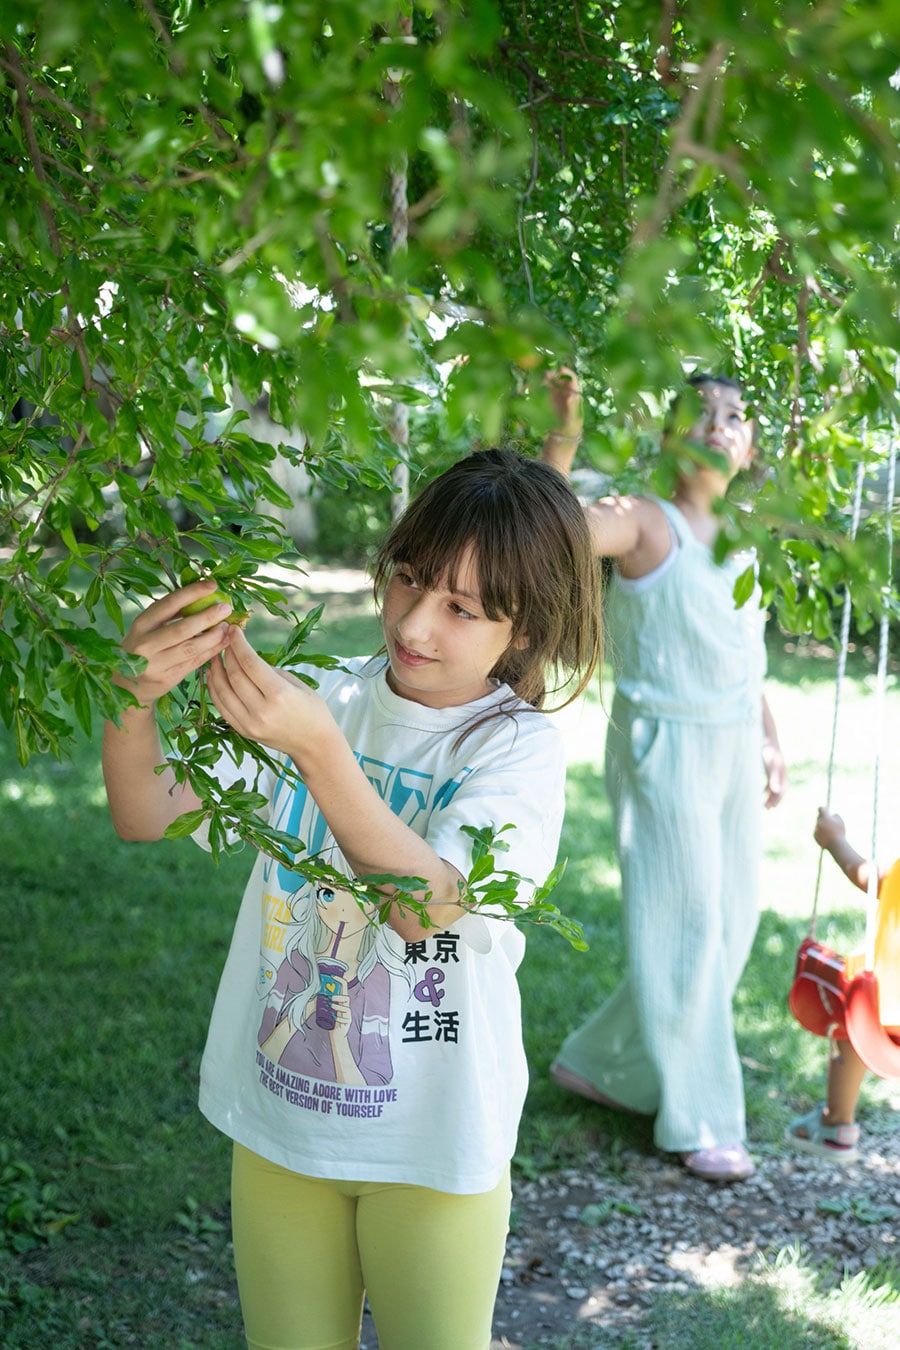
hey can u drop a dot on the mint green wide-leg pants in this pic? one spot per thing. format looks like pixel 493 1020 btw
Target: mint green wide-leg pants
pixel 687 808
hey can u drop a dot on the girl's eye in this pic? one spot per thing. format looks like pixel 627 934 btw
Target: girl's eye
pixel 404 577
pixel 463 613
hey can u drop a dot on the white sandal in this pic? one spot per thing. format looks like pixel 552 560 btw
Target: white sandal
pixel 837 1142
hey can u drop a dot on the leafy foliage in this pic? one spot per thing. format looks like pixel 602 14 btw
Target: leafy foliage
pixel 377 210
pixel 228 817
pixel 194 202
pixel 30 1213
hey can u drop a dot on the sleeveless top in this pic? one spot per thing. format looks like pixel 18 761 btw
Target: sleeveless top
pixel 681 648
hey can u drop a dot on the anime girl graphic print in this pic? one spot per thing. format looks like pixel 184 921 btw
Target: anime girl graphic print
pixel 327 1008
pixel 327 967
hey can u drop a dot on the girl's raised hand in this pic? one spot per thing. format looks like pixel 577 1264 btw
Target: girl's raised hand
pixel 565 396
pixel 262 703
pixel 173 644
pixel 562 441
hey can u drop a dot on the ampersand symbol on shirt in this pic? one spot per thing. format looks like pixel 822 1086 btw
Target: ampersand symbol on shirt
pixel 428 991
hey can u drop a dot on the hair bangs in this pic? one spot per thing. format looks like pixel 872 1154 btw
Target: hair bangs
pixel 438 530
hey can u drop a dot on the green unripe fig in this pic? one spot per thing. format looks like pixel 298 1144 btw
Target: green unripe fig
pixel 216 597
pixel 238 617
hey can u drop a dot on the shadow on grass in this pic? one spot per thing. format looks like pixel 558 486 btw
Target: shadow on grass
pixel 560 986
pixel 782 1304
pixel 753 1314
pixel 749 1317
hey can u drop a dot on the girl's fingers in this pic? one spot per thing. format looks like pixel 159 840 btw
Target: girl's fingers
pixel 250 678
pixel 169 662
pixel 170 605
pixel 163 624
pixel 244 661
pixel 235 671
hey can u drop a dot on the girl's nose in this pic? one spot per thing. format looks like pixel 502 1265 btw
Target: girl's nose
pixel 417 620
pixel 716 424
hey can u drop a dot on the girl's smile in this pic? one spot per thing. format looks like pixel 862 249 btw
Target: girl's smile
pixel 441 645
pixel 411 659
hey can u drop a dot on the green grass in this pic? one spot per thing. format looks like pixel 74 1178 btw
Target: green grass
pixel 782 1307
pixel 114 1190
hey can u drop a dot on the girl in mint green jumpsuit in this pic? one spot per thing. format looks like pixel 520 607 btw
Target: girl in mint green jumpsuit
pixel 684 772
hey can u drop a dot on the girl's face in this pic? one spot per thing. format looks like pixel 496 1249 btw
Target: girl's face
pixel 725 426
pixel 441 646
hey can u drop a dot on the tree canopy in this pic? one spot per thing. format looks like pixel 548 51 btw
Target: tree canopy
pixel 360 207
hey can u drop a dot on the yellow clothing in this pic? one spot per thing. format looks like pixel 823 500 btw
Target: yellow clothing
pixel 886 966
pixel 306 1249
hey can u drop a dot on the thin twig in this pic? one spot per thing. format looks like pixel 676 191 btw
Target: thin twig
pixel 520 213
pixel 682 147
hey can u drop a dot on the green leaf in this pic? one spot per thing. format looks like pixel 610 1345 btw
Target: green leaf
pixel 745 585
pixel 186 824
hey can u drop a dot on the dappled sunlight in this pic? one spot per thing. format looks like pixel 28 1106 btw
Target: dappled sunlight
pixel 36 792
pixel 711 1269
pixel 583 726
pixel 30 792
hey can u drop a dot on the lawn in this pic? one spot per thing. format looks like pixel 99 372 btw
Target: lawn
pixel 114 1190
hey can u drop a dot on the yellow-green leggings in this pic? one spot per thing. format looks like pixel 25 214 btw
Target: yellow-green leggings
pixel 306 1250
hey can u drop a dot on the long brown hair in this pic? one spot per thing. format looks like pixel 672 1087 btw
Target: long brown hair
pixel 534 563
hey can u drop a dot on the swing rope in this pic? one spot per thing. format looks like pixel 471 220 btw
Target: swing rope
pixel 881 687
pixel 830 995
pixel 839 681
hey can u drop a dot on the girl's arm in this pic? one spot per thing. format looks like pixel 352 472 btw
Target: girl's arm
pixel 142 802
pixel 773 759
pixel 830 835
pixel 633 530
pixel 271 707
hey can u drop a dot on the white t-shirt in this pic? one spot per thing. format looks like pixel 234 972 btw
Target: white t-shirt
pixel 426 1084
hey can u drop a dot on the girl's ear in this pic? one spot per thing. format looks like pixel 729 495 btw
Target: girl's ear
pixel 521 643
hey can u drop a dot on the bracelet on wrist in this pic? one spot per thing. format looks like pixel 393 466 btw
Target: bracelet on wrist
pixel 563 436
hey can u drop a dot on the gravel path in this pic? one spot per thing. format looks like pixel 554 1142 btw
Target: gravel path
pixel 592 1247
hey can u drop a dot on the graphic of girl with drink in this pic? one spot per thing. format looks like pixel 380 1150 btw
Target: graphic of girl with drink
pixel 327 1012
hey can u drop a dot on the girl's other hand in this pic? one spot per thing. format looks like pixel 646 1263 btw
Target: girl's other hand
pixel 262 703
pixel 776 774
pixel 560 444
pixel 174 645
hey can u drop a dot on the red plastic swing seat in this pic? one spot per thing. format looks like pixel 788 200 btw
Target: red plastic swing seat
pixel 878 1046
pixel 818 997
pixel 833 995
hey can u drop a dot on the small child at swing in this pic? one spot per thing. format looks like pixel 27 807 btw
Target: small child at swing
pixel 830 1129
